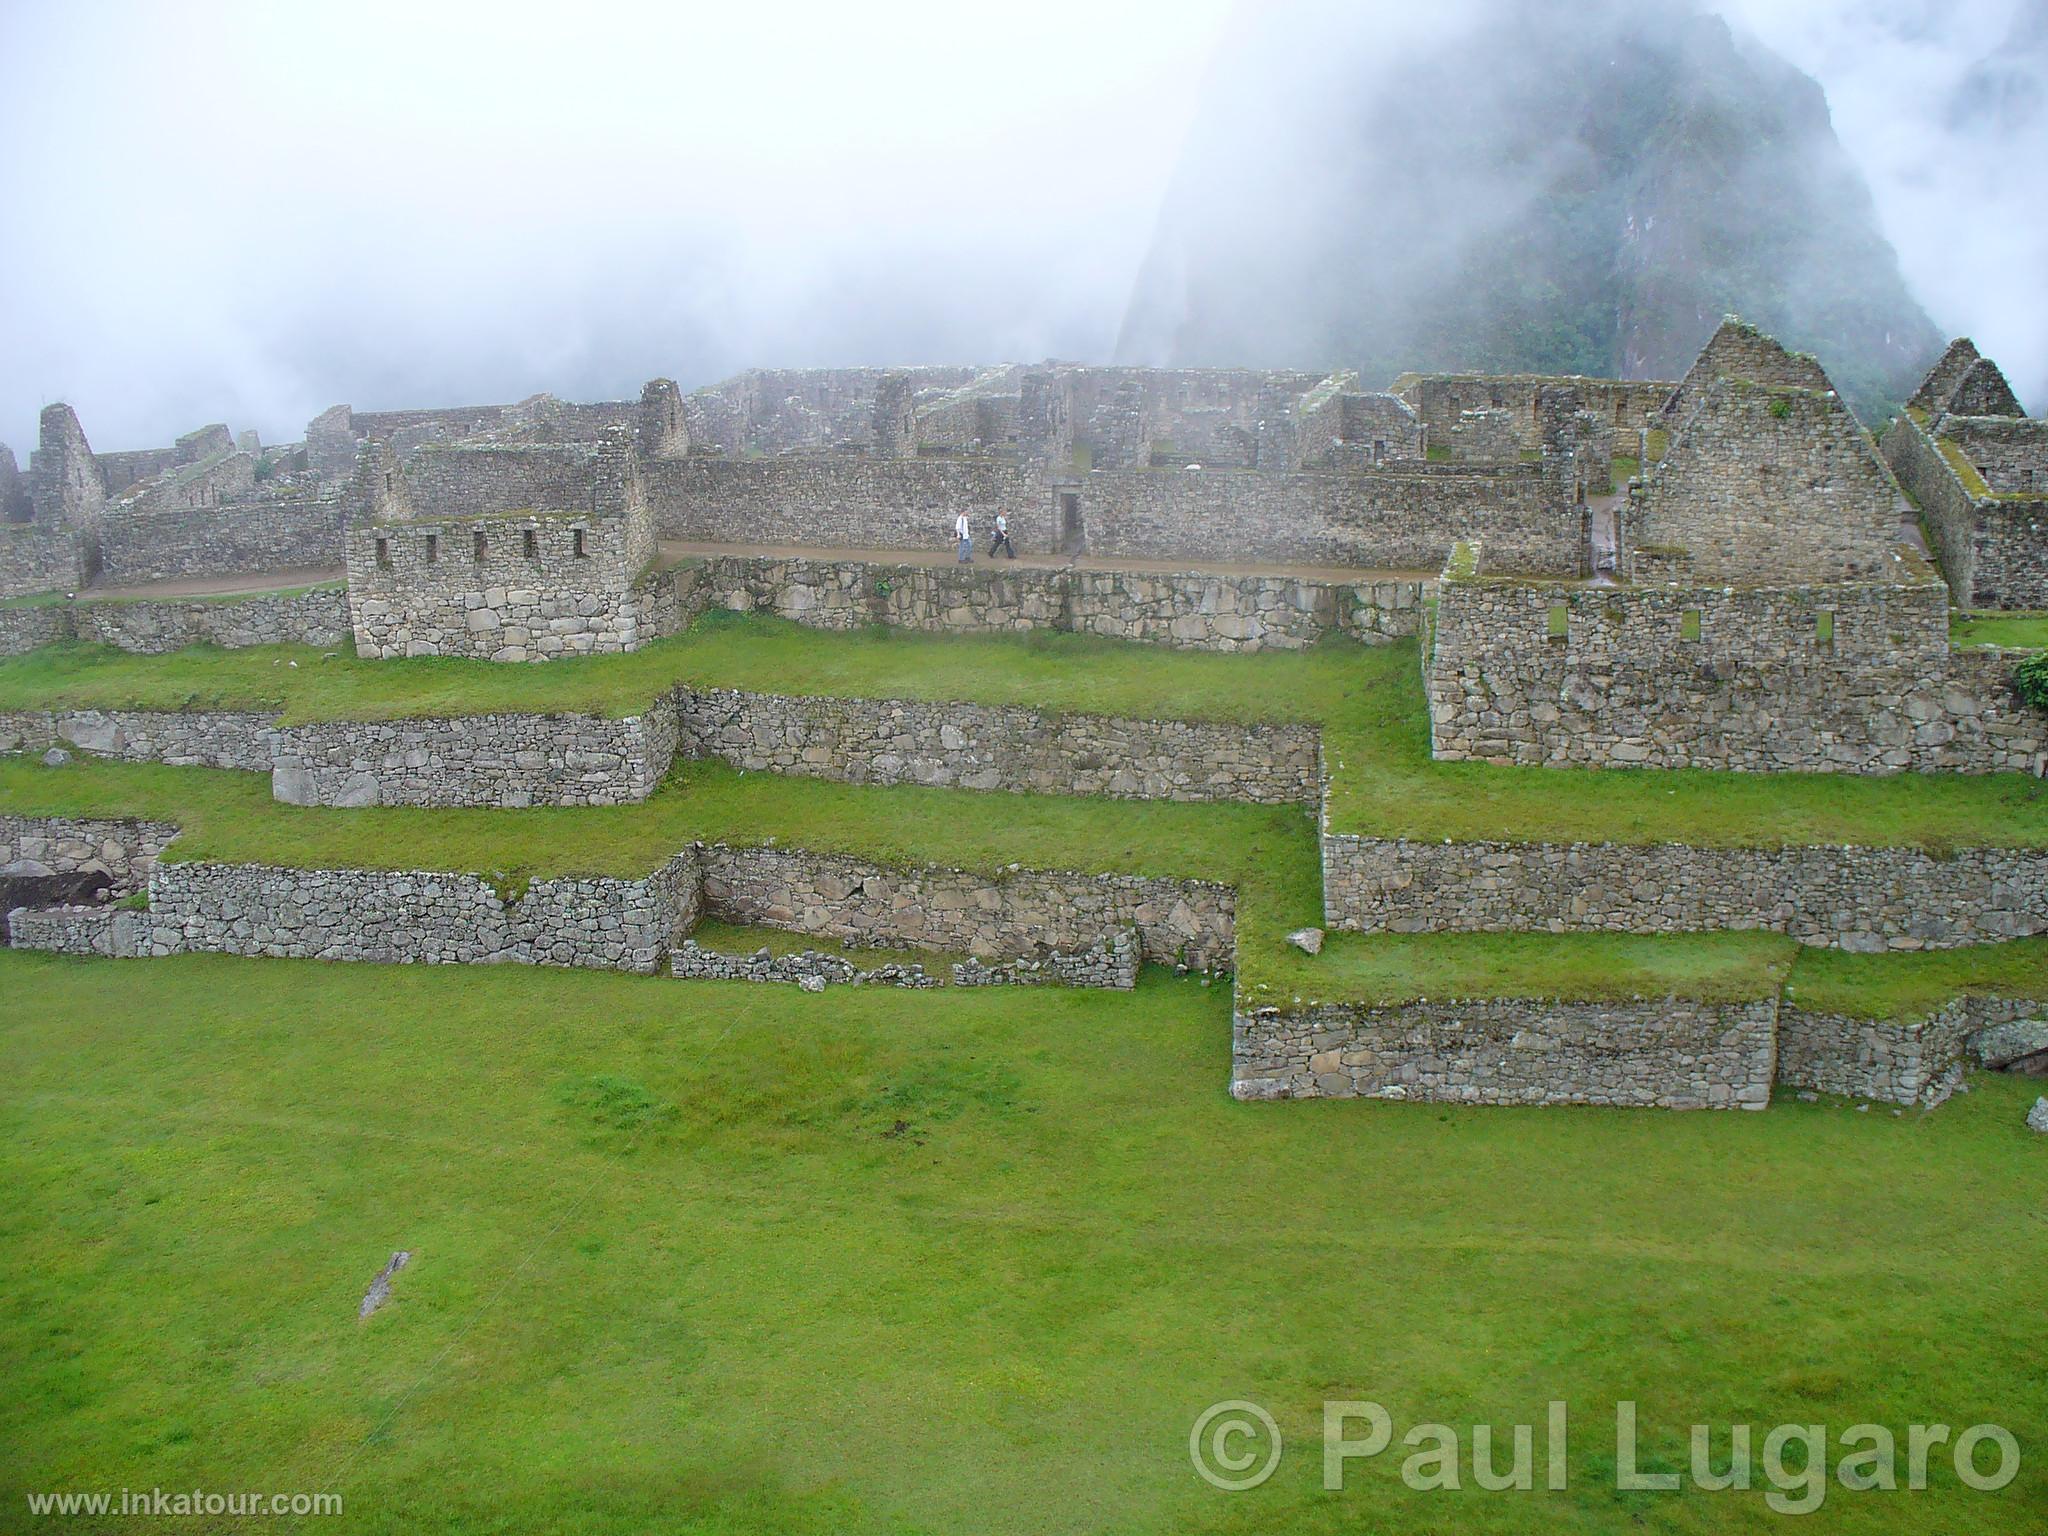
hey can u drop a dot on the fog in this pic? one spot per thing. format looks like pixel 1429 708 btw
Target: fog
pixel 247 213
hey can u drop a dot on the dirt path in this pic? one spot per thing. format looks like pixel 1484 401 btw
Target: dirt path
pixel 680 549
pixel 288 579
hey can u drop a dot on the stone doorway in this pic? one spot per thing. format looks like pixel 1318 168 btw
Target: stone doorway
pixel 1073 533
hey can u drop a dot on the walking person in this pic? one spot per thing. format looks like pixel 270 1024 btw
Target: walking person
pixel 1002 539
pixel 963 532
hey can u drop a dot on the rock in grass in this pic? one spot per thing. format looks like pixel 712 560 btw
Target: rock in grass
pixel 812 983
pixel 380 1288
pixel 2037 1117
pixel 56 757
pixel 1308 940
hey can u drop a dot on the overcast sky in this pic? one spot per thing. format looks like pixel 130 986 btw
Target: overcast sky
pixel 249 212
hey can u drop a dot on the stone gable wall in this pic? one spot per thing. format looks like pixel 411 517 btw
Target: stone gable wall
pixel 986 747
pixel 475 481
pixel 1864 899
pixel 1768 486
pixel 1759 689
pixel 1671 1053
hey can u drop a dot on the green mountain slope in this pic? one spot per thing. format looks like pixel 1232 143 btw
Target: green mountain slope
pixel 1504 187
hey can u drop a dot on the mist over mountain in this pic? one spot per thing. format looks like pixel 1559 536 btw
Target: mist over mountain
pixel 1502 186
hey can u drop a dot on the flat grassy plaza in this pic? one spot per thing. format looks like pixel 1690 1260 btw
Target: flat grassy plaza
pixel 720 1258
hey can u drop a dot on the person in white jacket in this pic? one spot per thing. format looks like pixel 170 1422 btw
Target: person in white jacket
pixel 963 531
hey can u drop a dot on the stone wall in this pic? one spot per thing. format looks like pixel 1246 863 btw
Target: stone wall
pixel 477 760
pixel 1401 516
pixel 27 626
pixel 421 917
pixel 1441 399
pixel 318 616
pixel 1190 610
pixel 1005 915
pixel 40 557
pixel 194 739
pixel 477 481
pixel 1894 1061
pixel 1849 898
pixel 847 501
pixel 986 747
pixel 256 534
pixel 110 932
pixel 124 850
pixel 1849 678
pixel 1738 350
pixel 1671 1053
pixel 527 587
pixel 1764 485
pixel 1993 549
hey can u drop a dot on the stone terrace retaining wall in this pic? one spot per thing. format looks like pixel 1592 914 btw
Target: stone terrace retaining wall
pixel 25 628
pixel 1670 1053
pixel 1187 610
pixel 203 739
pixel 1009 914
pixel 490 760
pixel 156 626
pixel 1895 1061
pixel 974 746
pixel 107 931
pixel 1846 898
pixel 423 917
pixel 493 760
pixel 124 850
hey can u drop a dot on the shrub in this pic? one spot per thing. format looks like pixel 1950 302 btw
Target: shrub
pixel 2031 679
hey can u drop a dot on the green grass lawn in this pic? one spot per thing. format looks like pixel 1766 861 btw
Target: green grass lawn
pixel 717 1258
pixel 2024 630
pixel 1367 700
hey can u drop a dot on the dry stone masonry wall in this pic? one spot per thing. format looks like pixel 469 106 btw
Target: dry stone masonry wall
pixel 975 746
pixel 1847 898
pixel 1844 678
pixel 1672 1053
pixel 1189 610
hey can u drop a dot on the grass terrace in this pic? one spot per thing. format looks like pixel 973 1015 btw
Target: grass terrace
pixel 2019 631
pixel 739 1260
pixel 1366 698
pixel 1268 853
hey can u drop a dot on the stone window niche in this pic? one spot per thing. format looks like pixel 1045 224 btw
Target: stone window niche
pixel 477 547
pixel 1824 629
pixel 384 553
pixel 1559 623
pixel 576 544
pixel 1689 624
pixel 531 540
pixel 433 551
